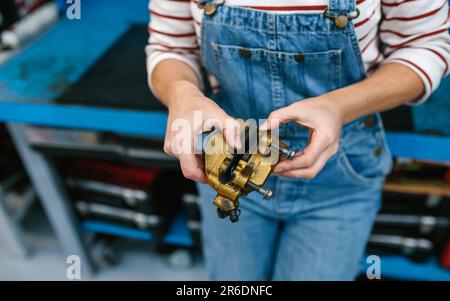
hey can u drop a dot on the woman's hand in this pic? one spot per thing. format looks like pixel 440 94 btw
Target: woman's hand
pixel 190 114
pixel 325 123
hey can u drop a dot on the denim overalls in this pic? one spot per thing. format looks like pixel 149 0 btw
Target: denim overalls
pixel 311 229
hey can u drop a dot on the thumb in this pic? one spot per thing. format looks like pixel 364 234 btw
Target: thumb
pixel 230 127
pixel 278 117
pixel 232 132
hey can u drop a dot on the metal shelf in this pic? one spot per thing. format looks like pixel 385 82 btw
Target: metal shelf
pixel 420 146
pixel 177 235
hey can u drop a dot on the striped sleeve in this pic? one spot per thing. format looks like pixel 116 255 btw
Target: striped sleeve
pixel 415 33
pixel 171 36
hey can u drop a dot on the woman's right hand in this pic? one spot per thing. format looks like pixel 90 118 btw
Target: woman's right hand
pixel 190 114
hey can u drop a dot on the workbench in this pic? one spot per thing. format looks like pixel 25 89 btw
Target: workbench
pixel 32 80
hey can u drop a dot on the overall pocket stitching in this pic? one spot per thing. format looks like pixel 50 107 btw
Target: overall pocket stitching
pixel 334 67
pixel 338 71
pixel 382 137
pixel 202 40
pixel 217 61
pixel 289 57
pixel 348 168
pixel 352 174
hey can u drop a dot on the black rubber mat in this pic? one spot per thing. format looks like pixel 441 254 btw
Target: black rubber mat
pixel 118 79
pixel 399 119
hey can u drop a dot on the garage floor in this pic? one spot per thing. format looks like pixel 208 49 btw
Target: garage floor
pixel 47 262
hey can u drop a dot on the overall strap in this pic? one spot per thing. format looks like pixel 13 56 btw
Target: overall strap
pixel 341 7
pixel 335 7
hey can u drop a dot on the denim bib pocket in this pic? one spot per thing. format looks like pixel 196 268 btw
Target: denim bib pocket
pixel 248 75
pixel 322 72
pixel 236 69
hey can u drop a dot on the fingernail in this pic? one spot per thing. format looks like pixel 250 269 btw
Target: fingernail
pixel 237 144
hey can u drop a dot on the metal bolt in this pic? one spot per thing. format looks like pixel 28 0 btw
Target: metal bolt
pixel 285 152
pixel 266 193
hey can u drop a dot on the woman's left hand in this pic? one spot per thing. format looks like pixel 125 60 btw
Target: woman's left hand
pixel 325 123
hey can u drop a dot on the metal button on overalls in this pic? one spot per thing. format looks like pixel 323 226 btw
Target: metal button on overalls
pixel 300 58
pixel 378 151
pixel 245 53
pixel 369 122
pixel 210 9
pixel 341 21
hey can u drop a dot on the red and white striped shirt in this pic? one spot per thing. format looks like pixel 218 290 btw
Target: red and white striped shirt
pixel 410 32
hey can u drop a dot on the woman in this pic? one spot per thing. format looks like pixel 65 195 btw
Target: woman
pixel 321 70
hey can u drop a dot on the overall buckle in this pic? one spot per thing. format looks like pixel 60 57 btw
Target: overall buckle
pixel 210 8
pixel 341 21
